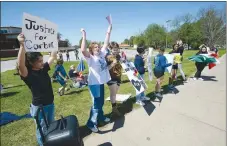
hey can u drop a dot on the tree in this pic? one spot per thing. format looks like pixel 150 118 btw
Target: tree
pixel 155 35
pixel 59 36
pixel 213 26
pixel 68 43
pixel 139 40
pixel 131 41
pixel 126 41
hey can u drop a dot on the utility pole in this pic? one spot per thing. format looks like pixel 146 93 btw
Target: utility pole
pixel 167 31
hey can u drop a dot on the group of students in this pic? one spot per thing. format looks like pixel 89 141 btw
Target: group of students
pixel 104 68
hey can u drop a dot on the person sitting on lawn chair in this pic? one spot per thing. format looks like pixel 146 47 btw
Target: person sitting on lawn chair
pixel 77 76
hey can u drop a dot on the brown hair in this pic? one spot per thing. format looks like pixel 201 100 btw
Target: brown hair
pixel 113 45
pixel 92 46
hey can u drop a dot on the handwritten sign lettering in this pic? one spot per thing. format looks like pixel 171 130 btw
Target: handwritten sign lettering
pixel 40 34
pixel 134 77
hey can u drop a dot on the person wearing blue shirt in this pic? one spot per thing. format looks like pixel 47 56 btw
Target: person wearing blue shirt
pixel 160 62
pixel 61 76
pixel 139 64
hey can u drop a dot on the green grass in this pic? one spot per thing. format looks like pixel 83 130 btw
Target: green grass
pixel 8 58
pixel 17 98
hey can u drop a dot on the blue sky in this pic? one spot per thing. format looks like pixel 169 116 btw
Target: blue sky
pixel 128 17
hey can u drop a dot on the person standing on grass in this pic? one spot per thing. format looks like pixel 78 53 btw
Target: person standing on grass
pixel 97 77
pixel 34 72
pixel 67 55
pixel 200 65
pixel 160 62
pixel 174 67
pixel 181 51
pixel 76 54
pixel 139 64
pixel 61 77
pixel 115 69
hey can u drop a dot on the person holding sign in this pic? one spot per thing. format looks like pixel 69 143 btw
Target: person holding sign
pixel 97 77
pixel 160 62
pixel 35 74
pixel 115 69
pixel 139 64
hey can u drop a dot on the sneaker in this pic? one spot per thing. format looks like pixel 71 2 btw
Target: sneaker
pixel 195 78
pixel 201 79
pixel 185 81
pixel 107 120
pixel 139 102
pixel 158 95
pixel 145 98
pixel 94 129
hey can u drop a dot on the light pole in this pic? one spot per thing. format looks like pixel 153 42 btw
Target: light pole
pixel 167 30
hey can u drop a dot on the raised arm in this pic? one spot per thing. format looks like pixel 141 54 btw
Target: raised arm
pixel 83 44
pixel 107 39
pixel 53 57
pixel 23 71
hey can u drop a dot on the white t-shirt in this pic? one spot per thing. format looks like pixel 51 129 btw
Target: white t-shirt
pixel 98 69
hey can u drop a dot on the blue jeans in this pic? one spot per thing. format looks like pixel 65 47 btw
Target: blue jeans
pixel 49 113
pixel 138 96
pixel 96 112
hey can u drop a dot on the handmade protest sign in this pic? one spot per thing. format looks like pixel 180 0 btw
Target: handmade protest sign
pixel 40 34
pixel 109 19
pixel 149 63
pixel 169 58
pixel 134 76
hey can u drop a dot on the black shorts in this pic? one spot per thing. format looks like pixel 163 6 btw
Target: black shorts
pixel 158 74
pixel 114 81
pixel 175 66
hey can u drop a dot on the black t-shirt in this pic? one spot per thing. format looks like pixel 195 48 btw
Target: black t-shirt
pixel 40 85
pixel 180 50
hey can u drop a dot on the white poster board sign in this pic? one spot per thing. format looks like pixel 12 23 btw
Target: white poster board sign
pixel 169 58
pixel 134 77
pixel 149 63
pixel 40 34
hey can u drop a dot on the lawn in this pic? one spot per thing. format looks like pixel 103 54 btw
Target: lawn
pixel 16 99
pixel 8 58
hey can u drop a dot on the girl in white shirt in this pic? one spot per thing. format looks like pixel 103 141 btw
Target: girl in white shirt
pixel 97 77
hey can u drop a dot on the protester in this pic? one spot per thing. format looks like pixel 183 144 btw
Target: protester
pixel 67 55
pixel 174 67
pixel 35 74
pixel 77 77
pixel 160 62
pixel 98 76
pixel 115 69
pixel 76 54
pixel 200 65
pixel 181 51
pixel 139 64
pixel 61 77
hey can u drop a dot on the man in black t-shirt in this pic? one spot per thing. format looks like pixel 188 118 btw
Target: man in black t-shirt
pixel 35 74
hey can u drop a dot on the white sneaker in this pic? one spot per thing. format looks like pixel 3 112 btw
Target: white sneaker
pixel 145 98
pixel 195 79
pixel 139 102
pixel 94 129
pixel 201 79
pixel 107 120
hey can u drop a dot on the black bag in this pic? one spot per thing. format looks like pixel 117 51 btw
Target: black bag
pixel 62 132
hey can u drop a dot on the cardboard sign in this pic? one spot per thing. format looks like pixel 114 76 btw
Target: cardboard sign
pixel 134 77
pixel 169 58
pixel 149 63
pixel 40 34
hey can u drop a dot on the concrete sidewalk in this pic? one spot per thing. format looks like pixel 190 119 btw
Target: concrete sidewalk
pixel 196 116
